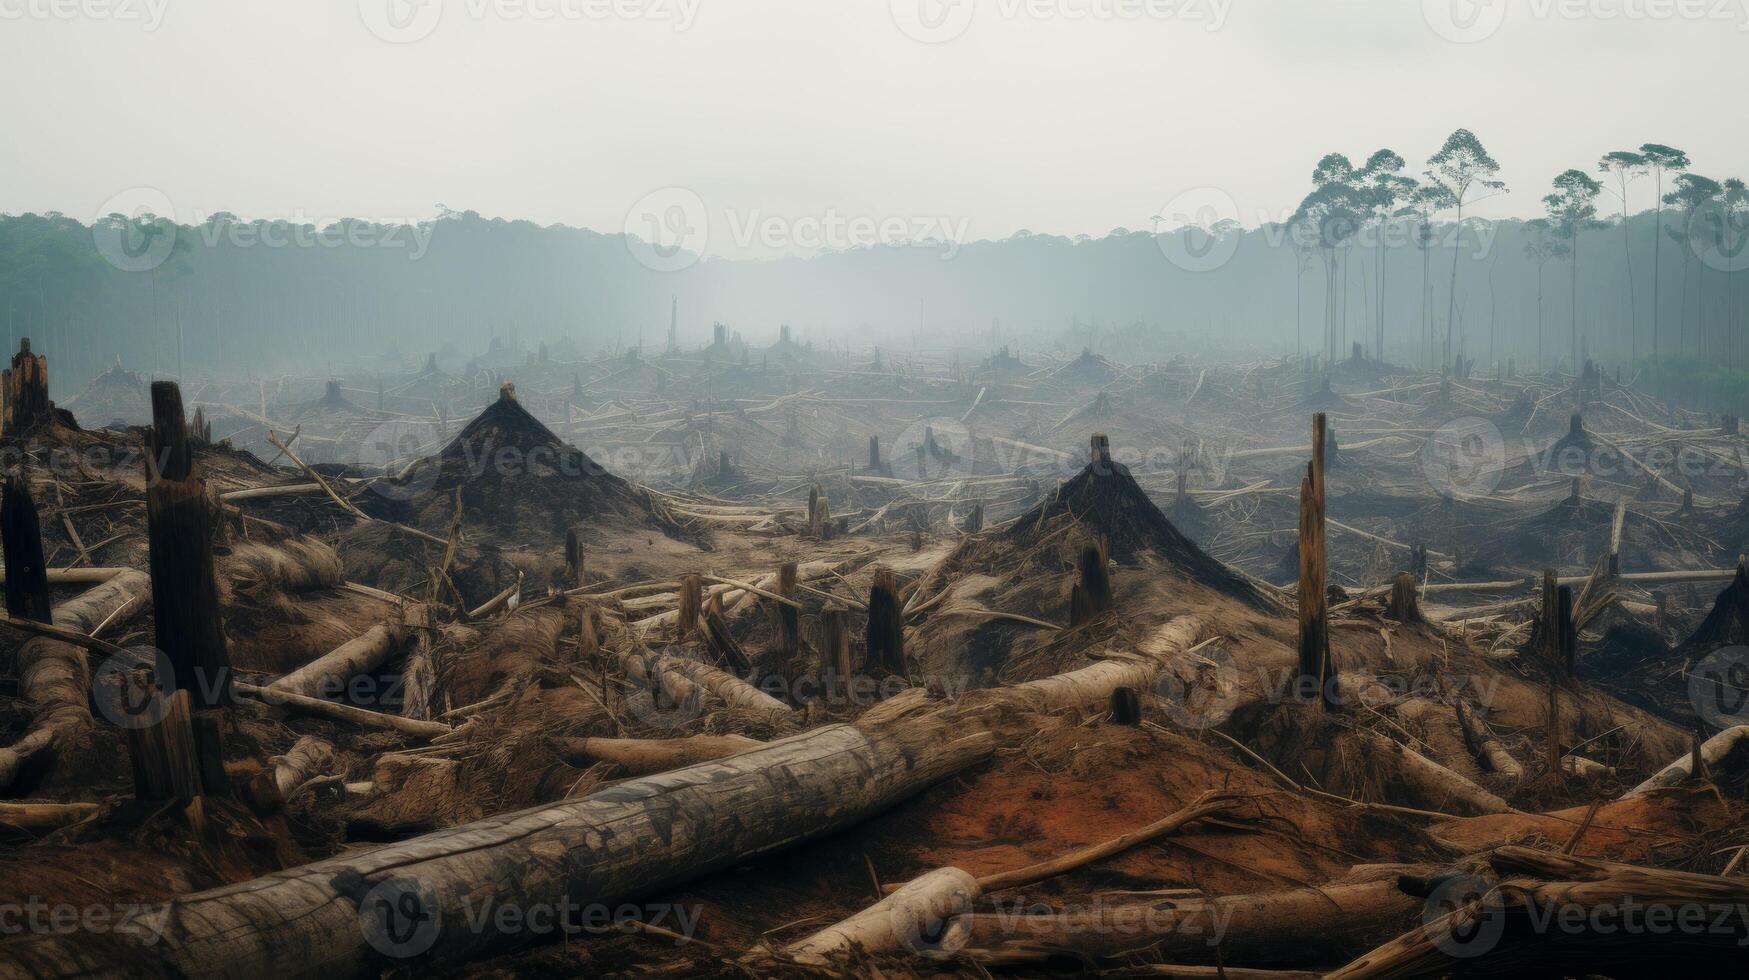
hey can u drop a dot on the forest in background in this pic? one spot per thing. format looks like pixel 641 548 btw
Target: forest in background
pixel 232 297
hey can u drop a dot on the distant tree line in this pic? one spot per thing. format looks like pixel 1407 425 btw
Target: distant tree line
pixel 1356 213
pixel 1372 256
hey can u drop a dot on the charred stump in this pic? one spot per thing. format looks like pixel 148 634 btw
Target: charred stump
pixel 1126 707
pixel 24 392
pixel 786 620
pixel 1314 645
pixel 573 559
pixel 886 627
pixel 1091 594
pixel 27 574
pixel 1405 605
pixel 179 530
pixel 835 670
pixel 691 605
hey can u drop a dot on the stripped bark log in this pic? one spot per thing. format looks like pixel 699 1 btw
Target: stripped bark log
pixel 731 690
pixel 41 818
pixel 308 758
pixel 630 840
pixel 328 675
pixel 1482 742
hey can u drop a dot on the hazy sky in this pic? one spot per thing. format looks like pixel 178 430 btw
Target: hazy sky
pixel 788 118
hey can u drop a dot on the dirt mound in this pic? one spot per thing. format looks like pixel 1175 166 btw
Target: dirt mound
pixel 115 395
pixel 514 475
pixel 1106 500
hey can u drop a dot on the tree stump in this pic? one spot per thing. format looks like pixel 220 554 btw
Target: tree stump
pixel 886 628
pixel 27 574
pixel 1405 606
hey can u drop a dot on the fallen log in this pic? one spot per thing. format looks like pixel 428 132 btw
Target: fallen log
pixel 1298 927
pixel 41 818
pixel 731 690
pixel 1595 917
pixel 308 758
pixel 1726 751
pixel 358 913
pixel 55 675
pixel 77 576
pixel 342 712
pixel 1482 742
pixel 328 675
pixel 1093 684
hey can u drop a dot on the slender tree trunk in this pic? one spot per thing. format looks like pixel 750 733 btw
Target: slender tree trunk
pixel 1627 250
pixel 1574 312
pixel 1451 301
pixel 1657 266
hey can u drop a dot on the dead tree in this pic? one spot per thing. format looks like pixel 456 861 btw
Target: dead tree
pixel 185 597
pixel 573 559
pixel 1405 606
pixel 886 626
pixel 975 523
pixel 1126 707
pixel 691 605
pixel 1314 646
pixel 24 392
pixel 1091 594
pixel 818 513
pixel 835 669
pixel 722 641
pixel 786 619
pixel 27 573
pixel 874 454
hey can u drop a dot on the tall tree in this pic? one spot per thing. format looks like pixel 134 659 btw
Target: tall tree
pixel 1462 165
pixel 1573 209
pixel 1660 160
pixel 1541 247
pixel 1692 194
pixel 1424 202
pixel 1326 221
pixel 1626 166
pixel 1386 190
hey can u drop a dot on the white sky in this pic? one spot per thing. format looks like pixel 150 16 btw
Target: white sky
pixel 1031 118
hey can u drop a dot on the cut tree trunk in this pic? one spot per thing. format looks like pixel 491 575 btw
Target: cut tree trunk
pixel 328 675
pixel 414 898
